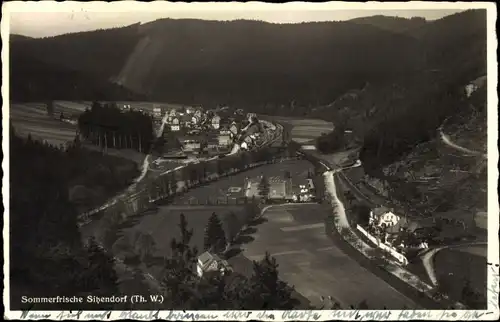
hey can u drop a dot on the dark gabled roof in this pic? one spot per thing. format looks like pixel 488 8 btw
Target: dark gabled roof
pixel 185 117
pixel 253 128
pixel 379 211
pixel 207 259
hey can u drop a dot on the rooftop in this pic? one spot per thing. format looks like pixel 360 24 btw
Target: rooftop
pixel 197 138
pixel 210 261
pixel 379 211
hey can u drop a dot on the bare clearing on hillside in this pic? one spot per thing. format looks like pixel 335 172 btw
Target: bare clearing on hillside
pixel 32 119
pixel 306 130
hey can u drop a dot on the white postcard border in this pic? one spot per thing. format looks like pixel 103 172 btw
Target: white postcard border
pixel 492 313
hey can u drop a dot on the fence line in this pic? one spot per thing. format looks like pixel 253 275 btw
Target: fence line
pixel 392 251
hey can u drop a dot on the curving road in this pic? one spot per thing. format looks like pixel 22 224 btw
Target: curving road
pixel 477 248
pixel 447 140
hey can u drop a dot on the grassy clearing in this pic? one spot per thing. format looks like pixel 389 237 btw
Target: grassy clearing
pixel 128 154
pixel 305 130
pixel 33 119
pixel 70 108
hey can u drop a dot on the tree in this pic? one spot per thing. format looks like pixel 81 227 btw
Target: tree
pixel 267 290
pixel 172 184
pixel 363 305
pixel 159 146
pixel 100 270
pixel 470 296
pixel 215 237
pixel 110 222
pixel 349 196
pixel 106 124
pixel 44 225
pixel 50 108
pixel 232 225
pixel 220 167
pixel 180 279
pixel 264 187
pixel 144 245
pixel 332 141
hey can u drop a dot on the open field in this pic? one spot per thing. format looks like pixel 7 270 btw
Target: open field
pixel 32 118
pixel 305 130
pixel 75 108
pixel 308 259
pixel 128 154
pixel 162 223
pixel 71 108
pixel 456 265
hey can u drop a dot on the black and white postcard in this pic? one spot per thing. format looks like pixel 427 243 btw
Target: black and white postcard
pixel 250 161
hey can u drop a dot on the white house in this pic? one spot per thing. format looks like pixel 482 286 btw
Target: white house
pixel 198 113
pixel 224 130
pixel 481 219
pixel 470 88
pixel 224 139
pixel 209 263
pixel 244 146
pixel 192 145
pixel 250 115
pixel 234 128
pixel 216 122
pixel 175 124
pixel 383 217
pixel 195 120
pixel 157 112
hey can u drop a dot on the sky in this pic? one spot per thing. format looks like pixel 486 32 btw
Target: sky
pixel 44 19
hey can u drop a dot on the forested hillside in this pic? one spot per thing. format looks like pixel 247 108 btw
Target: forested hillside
pixel 100 53
pixel 394 24
pixel 391 117
pixel 33 80
pixel 70 67
pixel 48 257
pixel 398 123
pixel 243 63
pixel 377 72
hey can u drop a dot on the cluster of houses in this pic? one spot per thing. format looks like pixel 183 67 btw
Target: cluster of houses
pixel 202 131
pixel 281 189
pixel 407 234
pixel 395 232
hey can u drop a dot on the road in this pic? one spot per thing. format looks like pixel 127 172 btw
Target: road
pixel 477 248
pixel 447 140
pixel 308 259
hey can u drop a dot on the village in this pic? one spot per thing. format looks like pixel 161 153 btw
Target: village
pixel 195 132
